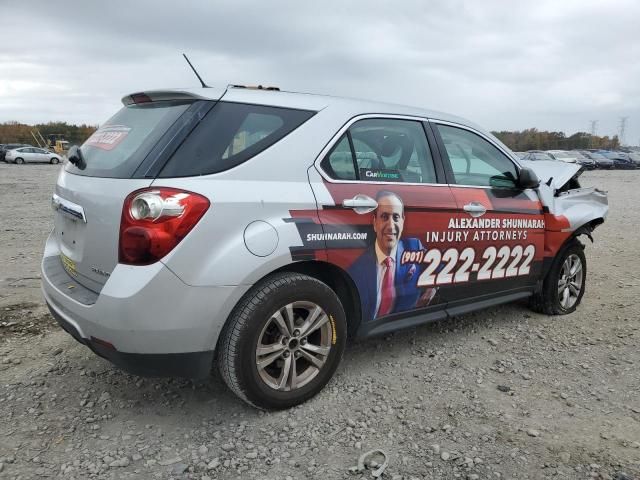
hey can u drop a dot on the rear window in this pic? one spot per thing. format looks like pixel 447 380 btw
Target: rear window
pixel 120 145
pixel 231 134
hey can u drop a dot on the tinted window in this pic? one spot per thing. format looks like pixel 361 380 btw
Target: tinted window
pixel 120 145
pixel 386 150
pixel 475 161
pixel 231 134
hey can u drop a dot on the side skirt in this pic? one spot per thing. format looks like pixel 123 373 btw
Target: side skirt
pixel 406 320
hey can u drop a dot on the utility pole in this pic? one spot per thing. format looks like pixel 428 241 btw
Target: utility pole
pixel 623 124
pixel 594 126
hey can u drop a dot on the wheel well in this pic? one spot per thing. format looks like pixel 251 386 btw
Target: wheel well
pixel 339 281
pixel 585 229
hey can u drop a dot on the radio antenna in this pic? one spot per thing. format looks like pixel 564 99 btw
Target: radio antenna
pixel 204 85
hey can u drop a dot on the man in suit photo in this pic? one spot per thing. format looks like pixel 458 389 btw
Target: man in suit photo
pixel 384 284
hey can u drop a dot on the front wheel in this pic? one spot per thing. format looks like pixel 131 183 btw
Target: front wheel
pixel 564 286
pixel 54 161
pixel 283 341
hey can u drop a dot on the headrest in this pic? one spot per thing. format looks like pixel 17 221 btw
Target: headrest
pixel 390 145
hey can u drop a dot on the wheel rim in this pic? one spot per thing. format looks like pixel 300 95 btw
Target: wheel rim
pixel 570 282
pixel 293 346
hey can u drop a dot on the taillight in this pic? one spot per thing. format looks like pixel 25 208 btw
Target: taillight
pixel 155 220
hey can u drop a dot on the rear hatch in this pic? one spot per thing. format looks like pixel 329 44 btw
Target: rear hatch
pixel 119 159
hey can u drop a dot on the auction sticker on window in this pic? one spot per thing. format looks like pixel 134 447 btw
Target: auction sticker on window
pixel 108 137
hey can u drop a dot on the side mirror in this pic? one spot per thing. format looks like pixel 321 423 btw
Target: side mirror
pixel 528 179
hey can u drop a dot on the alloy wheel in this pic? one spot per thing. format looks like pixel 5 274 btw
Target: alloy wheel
pixel 293 346
pixel 570 281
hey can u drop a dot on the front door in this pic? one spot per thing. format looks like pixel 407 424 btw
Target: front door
pixel 382 197
pixel 503 225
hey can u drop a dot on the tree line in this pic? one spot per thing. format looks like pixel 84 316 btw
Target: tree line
pixel 533 139
pixel 518 141
pixel 15 132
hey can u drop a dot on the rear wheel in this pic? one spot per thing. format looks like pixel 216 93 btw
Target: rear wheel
pixel 54 161
pixel 283 341
pixel 19 161
pixel 564 286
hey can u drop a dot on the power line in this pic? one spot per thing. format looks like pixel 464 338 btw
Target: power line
pixel 594 127
pixel 622 127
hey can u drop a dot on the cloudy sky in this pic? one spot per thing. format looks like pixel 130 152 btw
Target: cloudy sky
pixel 549 64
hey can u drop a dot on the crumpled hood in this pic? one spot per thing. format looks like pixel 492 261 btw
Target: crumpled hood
pixel 560 172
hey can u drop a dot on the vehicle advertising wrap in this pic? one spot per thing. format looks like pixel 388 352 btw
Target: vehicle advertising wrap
pixel 424 246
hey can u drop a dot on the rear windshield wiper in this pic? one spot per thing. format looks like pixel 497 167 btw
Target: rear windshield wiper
pixel 76 157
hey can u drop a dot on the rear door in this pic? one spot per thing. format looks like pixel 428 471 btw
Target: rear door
pixel 503 224
pixel 382 198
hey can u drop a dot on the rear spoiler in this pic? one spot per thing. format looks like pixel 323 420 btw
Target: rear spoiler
pixel 160 96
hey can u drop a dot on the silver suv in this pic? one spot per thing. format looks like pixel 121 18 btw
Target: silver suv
pixel 258 229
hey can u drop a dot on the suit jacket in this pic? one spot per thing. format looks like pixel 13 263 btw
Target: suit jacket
pixel 364 274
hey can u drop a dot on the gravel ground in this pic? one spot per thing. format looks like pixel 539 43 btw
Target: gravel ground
pixel 502 393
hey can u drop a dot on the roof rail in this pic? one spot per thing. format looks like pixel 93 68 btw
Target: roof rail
pixel 256 87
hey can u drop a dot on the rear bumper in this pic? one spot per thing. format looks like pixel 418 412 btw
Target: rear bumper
pixel 188 365
pixel 156 324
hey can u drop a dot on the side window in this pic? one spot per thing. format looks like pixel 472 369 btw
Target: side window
pixel 339 163
pixel 254 128
pixel 386 150
pixel 392 150
pixel 229 135
pixel 475 161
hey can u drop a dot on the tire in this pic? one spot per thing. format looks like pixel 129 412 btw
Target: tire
pixel 54 161
pixel 260 318
pixel 559 296
pixel 19 161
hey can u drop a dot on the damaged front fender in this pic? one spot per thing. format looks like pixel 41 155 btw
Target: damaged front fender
pixel 571 207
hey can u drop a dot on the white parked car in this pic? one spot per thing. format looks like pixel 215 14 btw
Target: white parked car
pixel 563 156
pixel 32 155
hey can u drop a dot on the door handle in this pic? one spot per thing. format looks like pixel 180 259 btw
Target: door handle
pixel 361 204
pixel 475 209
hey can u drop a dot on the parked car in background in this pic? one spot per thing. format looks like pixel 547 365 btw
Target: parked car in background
pixel 32 155
pixel 635 157
pixel 10 146
pixel 563 156
pixel 601 160
pixel 537 155
pixel 620 160
pixel 520 154
pixel 583 160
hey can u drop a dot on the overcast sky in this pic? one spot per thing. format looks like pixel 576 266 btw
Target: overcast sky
pixel 507 65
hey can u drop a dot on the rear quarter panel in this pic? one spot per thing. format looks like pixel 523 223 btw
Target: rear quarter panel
pixel 271 187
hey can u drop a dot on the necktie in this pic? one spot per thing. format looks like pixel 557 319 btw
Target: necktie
pixel 386 289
